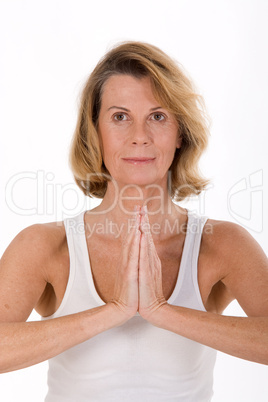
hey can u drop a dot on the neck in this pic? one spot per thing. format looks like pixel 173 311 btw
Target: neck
pixel 118 207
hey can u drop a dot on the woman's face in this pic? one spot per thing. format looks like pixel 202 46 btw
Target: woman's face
pixel 139 137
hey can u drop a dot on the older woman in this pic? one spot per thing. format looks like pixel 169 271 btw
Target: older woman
pixel 132 291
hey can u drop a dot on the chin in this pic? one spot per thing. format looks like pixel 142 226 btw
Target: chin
pixel 139 180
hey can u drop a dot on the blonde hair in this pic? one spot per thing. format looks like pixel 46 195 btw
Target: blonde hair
pixel 171 88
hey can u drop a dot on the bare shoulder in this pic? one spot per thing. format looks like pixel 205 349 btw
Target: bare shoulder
pixel 27 268
pixel 41 241
pixel 228 239
pixel 239 262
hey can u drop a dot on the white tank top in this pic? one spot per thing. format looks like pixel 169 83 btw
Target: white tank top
pixel 136 362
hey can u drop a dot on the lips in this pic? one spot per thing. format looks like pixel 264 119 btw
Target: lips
pixel 139 160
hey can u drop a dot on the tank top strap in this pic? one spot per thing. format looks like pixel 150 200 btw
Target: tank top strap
pixel 77 296
pixel 187 292
pixel 200 223
pixel 75 230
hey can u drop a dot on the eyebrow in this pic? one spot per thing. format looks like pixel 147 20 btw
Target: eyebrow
pixel 127 110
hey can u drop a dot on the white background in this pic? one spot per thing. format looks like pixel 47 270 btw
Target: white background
pixel 48 48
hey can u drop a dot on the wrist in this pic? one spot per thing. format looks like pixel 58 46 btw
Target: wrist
pixel 120 315
pixel 159 317
pixel 97 320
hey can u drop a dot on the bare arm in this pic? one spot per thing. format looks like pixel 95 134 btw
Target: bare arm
pixel 27 343
pixel 243 337
pixel 245 274
pixel 23 278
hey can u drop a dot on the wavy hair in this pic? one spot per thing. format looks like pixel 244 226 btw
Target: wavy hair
pixel 175 92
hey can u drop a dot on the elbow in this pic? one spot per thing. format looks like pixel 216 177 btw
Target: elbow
pixel 5 366
pixel 265 360
pixel 6 362
pixel 261 355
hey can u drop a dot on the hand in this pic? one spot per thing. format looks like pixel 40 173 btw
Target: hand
pixel 150 272
pixel 126 292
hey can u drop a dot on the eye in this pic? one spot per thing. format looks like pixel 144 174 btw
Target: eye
pixel 158 116
pixel 119 117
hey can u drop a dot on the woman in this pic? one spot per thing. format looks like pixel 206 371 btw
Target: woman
pixel 131 293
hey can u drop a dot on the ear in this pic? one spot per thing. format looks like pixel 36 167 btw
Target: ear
pixel 179 141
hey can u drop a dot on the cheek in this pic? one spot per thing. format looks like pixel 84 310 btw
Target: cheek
pixel 105 139
pixel 110 150
pixel 168 134
pixel 167 142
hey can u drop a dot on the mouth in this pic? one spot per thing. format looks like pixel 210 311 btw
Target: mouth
pixel 139 160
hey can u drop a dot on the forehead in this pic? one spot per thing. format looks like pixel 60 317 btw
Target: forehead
pixel 126 88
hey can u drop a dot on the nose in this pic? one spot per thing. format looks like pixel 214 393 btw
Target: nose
pixel 140 134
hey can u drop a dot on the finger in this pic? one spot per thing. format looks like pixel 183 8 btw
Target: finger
pixel 146 229
pixel 144 256
pixel 145 224
pixel 147 249
pixel 152 253
pixel 130 246
pixel 132 225
pixel 133 250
